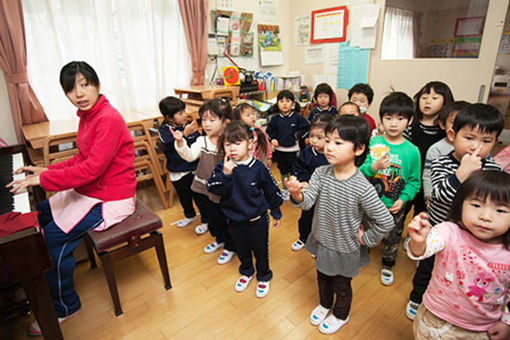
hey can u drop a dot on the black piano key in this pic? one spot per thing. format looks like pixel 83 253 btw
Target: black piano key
pixel 6 198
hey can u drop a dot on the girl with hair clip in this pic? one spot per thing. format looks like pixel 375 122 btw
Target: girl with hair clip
pixel 261 148
pixel 285 129
pixel 425 129
pixel 247 191
pixel 214 114
pixel 471 277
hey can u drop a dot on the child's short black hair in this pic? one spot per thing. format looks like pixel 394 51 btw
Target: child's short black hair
pixel 483 117
pixel 69 72
pixel 399 103
pixel 219 107
pixel 323 88
pixel 235 131
pixel 240 109
pixel 285 94
pixel 352 129
pixel 350 104
pixel 439 88
pixel 320 121
pixel 169 106
pixel 362 88
pixel 482 184
pixel 451 108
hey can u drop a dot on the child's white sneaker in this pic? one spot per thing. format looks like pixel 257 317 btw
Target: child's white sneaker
pixel 185 221
pixel 262 289
pixel 201 228
pixel 242 283
pixel 412 309
pixel 332 324
pixel 318 315
pixel 386 276
pixel 225 256
pixel 297 245
pixel 212 247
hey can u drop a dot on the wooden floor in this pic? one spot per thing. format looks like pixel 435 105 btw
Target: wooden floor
pixel 203 304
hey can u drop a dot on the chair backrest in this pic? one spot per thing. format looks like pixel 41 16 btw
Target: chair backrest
pixel 59 148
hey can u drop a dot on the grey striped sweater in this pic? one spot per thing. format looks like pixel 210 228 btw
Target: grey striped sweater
pixel 340 205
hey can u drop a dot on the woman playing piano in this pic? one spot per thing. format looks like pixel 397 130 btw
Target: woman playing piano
pixel 95 188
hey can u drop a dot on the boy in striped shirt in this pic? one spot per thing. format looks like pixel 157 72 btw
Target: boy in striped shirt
pixel 475 131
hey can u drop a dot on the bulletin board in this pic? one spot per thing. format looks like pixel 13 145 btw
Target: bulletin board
pixel 232 30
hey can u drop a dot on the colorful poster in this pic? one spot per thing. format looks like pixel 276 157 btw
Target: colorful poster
pixel 302 30
pixel 270 46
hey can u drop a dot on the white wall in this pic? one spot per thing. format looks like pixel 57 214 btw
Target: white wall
pixel 7 130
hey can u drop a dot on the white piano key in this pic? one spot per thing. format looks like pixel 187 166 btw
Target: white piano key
pixel 17 162
pixel 21 200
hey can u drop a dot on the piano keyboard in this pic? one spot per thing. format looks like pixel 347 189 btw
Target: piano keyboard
pixel 19 202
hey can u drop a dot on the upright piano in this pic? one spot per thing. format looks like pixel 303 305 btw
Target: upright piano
pixel 24 255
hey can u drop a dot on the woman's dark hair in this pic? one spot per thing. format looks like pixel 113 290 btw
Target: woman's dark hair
pixel 485 118
pixel 69 72
pixel 451 108
pixel 218 107
pixel 285 94
pixel 321 121
pixel 352 129
pixel 482 185
pixel 323 88
pixel 240 109
pixel 399 103
pixel 364 89
pixel 439 88
pixel 169 106
pixel 350 104
pixel 235 131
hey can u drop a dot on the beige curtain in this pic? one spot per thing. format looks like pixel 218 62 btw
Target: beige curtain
pixel 194 19
pixel 25 107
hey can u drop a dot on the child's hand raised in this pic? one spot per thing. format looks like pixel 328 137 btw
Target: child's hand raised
pixel 190 128
pixel 419 229
pixel 294 187
pixel 469 164
pixel 178 136
pixel 381 163
pixel 228 165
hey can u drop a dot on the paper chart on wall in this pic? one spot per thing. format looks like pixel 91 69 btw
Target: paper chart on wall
pixel 302 30
pixel 314 54
pixel 267 10
pixel 352 66
pixel 363 25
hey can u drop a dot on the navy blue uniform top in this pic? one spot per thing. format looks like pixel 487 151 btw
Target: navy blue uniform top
pixel 174 162
pixel 317 111
pixel 287 129
pixel 307 162
pixel 246 193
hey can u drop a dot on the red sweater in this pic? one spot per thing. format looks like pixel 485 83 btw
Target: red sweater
pixel 103 167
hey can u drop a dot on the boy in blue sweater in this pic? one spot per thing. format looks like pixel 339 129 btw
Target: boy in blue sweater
pixel 181 172
pixel 309 159
pixel 284 131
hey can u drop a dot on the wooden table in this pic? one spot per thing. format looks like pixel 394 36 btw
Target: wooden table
pixel 204 92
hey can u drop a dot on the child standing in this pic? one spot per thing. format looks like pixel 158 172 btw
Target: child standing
pixel 393 167
pixel 322 96
pixel 181 172
pixel 342 196
pixel 261 148
pixel 362 95
pixel 425 130
pixel 310 159
pixel 247 191
pixel 475 131
pixel 471 278
pixel 284 131
pixel 444 146
pixel 215 114
pixel 349 108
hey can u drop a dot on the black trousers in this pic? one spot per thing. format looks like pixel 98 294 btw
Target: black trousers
pixel 418 203
pixel 285 161
pixel 185 194
pixel 339 285
pixel 251 239
pixel 421 278
pixel 305 223
pixel 201 201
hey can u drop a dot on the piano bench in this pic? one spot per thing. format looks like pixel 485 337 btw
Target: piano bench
pixel 131 234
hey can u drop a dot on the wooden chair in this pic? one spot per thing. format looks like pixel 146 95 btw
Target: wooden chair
pixel 133 235
pixel 54 150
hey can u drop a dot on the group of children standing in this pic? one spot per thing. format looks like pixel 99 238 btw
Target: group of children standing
pixel 355 192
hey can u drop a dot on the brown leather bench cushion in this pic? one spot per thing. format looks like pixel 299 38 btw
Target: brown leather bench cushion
pixel 141 222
